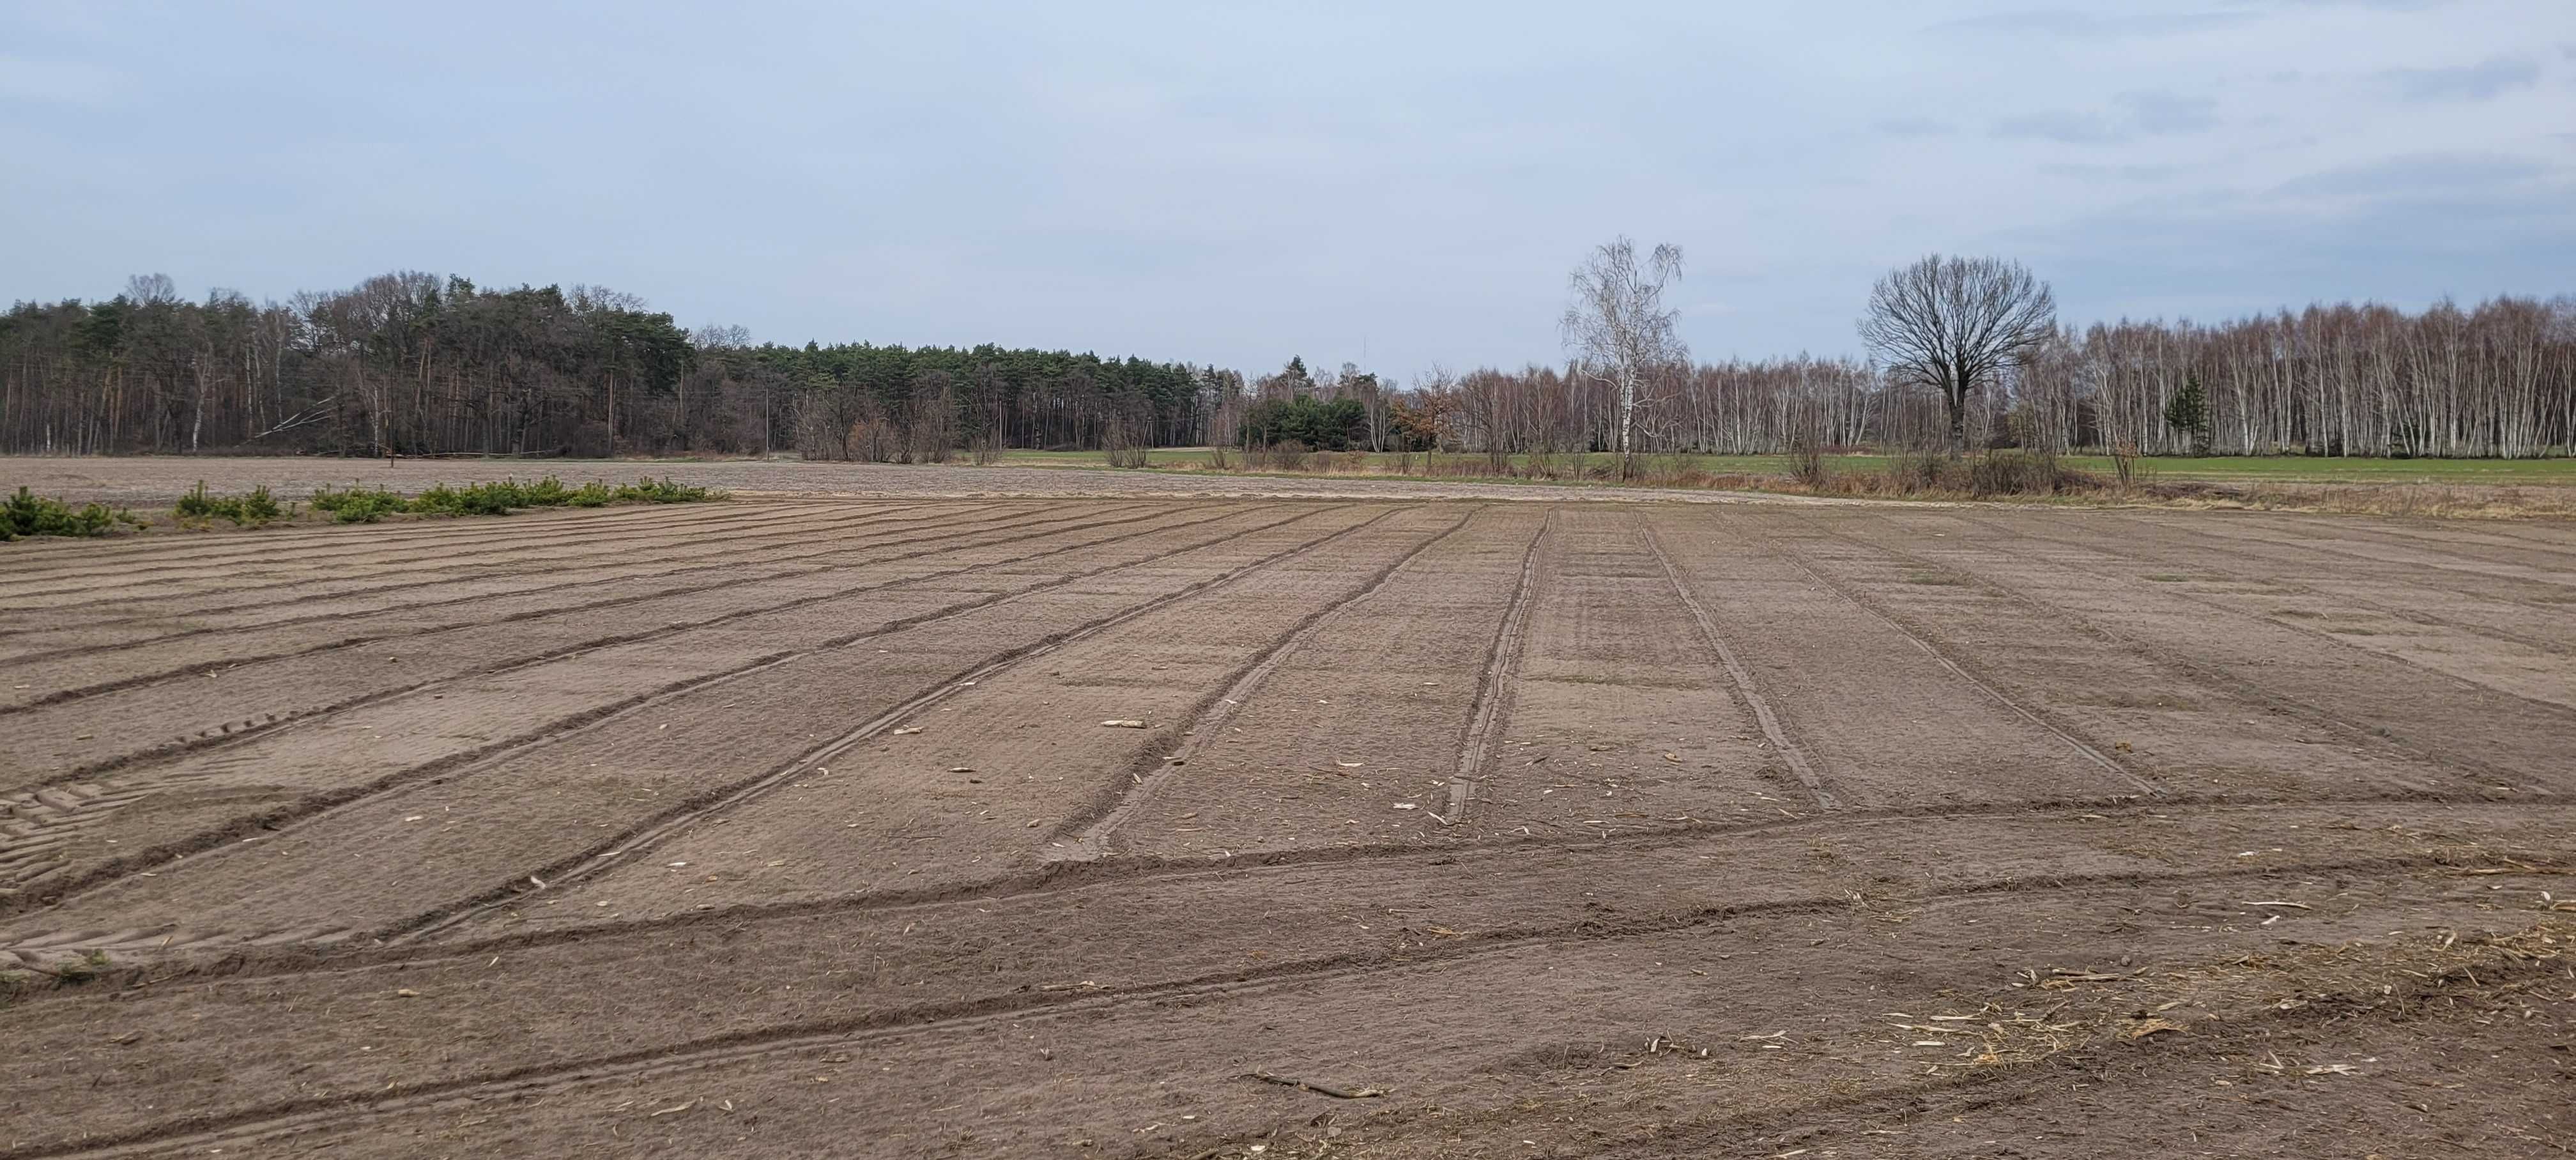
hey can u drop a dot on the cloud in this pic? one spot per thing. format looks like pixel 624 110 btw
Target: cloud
pixel 2417 174
pixel 2215 258
pixel 2145 113
pixel 2079 24
pixel 2129 173
pixel 2064 128
pixel 2472 82
pixel 2167 112
pixel 1007 178
pixel 1915 127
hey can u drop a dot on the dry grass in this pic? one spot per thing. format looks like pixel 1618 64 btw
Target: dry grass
pixel 2435 500
pixel 1994 476
pixel 2064 1008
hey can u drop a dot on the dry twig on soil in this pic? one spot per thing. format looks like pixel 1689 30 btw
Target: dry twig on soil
pixel 1339 1093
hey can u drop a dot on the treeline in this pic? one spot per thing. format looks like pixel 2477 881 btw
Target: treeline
pixel 892 404
pixel 409 363
pixel 2498 380
pixel 412 364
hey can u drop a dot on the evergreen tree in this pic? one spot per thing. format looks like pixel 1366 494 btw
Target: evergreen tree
pixel 2188 412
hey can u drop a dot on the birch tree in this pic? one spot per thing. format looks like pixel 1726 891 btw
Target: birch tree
pixel 1618 329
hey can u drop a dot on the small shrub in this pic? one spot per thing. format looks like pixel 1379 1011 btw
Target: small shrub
pixel 2024 473
pixel 651 490
pixel 28 514
pixel 473 499
pixel 2124 463
pixel 1807 462
pixel 547 492
pixel 258 507
pixel 249 511
pixel 359 505
pixel 197 504
pixel 1925 471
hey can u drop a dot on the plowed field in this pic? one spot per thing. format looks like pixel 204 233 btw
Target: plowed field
pixel 1219 826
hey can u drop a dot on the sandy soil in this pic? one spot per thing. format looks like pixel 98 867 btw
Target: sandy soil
pixel 796 826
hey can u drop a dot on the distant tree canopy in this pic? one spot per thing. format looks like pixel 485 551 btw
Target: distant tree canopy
pixel 1008 398
pixel 414 364
pixel 1335 425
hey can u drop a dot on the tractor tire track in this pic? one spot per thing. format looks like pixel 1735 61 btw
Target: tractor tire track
pixel 2339 640
pixel 1495 681
pixel 502 548
pixel 50 814
pixel 1948 659
pixel 1742 678
pixel 316 804
pixel 310 1115
pixel 2481 568
pixel 1114 875
pixel 2466 540
pixel 651 831
pixel 1093 831
pixel 281 581
pixel 268 722
pixel 945 540
pixel 724 557
pixel 324 542
pixel 2408 615
pixel 2360 733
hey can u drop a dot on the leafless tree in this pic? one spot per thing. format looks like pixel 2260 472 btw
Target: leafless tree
pixel 830 411
pixel 1618 328
pixel 1956 324
pixel 931 421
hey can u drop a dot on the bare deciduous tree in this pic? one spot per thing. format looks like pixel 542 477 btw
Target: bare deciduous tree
pixel 151 290
pixel 1618 328
pixel 1955 324
pixel 829 412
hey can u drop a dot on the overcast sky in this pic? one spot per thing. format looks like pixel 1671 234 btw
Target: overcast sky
pixel 1394 184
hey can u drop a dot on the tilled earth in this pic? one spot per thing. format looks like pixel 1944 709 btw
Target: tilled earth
pixel 1233 826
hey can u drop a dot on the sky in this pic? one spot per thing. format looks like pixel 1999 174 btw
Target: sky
pixel 1399 185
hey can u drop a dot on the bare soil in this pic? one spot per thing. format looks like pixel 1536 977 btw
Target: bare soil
pixel 817 825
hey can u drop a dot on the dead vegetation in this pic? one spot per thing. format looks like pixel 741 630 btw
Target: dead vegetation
pixel 2060 1009
pixel 2005 475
